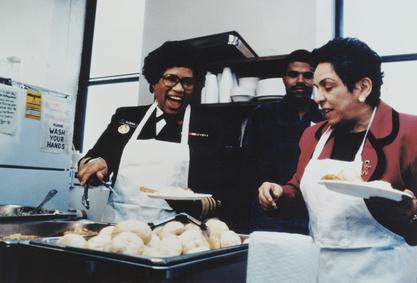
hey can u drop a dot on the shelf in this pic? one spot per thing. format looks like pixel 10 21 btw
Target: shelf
pixel 262 67
pixel 222 46
pixel 248 104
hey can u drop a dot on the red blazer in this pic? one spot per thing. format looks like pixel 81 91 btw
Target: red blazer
pixel 390 148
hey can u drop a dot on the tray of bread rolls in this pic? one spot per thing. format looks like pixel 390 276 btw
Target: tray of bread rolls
pixel 178 240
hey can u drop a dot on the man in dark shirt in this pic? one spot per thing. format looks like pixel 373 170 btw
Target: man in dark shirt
pixel 271 143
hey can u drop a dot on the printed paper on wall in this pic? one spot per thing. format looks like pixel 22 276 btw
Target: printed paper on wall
pixel 8 109
pixel 33 105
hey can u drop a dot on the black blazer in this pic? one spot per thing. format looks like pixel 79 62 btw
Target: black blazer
pixel 205 140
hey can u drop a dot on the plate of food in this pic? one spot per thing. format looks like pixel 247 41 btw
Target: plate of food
pixel 173 193
pixel 362 189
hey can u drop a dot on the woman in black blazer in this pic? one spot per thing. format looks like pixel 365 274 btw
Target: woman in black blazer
pixel 166 144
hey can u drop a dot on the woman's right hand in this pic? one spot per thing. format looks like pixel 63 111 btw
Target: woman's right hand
pixel 269 194
pixel 97 167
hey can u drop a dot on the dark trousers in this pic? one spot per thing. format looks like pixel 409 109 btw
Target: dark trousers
pixel 262 221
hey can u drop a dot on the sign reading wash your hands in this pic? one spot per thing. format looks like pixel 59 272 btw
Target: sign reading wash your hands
pixel 56 125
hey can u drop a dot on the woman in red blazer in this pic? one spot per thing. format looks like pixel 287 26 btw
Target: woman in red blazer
pixel 361 240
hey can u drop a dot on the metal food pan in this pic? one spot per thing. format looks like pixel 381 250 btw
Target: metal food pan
pixel 45 229
pixel 93 265
pixel 57 262
pixel 13 254
pixel 151 262
pixel 18 213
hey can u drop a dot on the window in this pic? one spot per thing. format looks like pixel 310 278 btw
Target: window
pixel 101 104
pixel 117 37
pixel 388 28
pixel 112 44
pixel 396 90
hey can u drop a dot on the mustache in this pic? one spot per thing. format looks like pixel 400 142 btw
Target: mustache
pixel 301 85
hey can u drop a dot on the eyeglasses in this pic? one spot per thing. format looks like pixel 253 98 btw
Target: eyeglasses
pixel 171 80
pixel 295 74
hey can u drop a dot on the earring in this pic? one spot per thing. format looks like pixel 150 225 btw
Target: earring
pixel 361 99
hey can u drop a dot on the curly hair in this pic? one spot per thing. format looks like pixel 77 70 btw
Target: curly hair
pixel 352 61
pixel 173 54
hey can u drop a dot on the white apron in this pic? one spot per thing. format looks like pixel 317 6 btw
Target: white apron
pixel 150 163
pixel 354 246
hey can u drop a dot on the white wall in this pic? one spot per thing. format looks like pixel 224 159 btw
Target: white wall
pixel 46 36
pixel 270 27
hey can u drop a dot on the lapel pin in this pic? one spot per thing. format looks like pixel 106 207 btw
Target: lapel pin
pixel 123 129
pixel 367 165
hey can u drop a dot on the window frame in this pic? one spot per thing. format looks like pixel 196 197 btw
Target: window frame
pixel 339 23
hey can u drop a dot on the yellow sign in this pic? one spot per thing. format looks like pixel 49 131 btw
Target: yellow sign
pixel 33 105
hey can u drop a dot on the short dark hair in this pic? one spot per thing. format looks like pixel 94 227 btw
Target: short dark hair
pixel 173 54
pixel 352 61
pixel 299 55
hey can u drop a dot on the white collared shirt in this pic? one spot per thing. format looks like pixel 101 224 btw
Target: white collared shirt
pixel 161 123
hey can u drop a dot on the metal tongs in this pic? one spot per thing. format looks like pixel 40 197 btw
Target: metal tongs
pixel 84 199
pixel 93 181
pixel 184 218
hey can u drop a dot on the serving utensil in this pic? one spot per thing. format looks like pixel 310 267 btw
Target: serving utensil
pixel 84 199
pixel 94 182
pixel 184 218
pixel 48 197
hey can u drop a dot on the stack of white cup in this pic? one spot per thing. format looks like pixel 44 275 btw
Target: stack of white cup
pixel 210 92
pixel 246 89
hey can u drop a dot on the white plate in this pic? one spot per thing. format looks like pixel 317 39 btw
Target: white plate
pixel 194 196
pixel 364 189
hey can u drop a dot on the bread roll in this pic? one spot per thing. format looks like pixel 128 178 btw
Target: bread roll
pixel 157 231
pixel 168 247
pixel 330 177
pixel 346 174
pixel 154 242
pixel 196 244
pixel 215 228
pixel 190 235
pixel 99 242
pixel 229 238
pixel 350 174
pixel 173 227
pixel 172 244
pixel 191 226
pixel 72 240
pixel 108 230
pixel 216 225
pixel 127 243
pixel 135 226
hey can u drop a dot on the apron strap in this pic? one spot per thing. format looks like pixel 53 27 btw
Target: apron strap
pixel 358 156
pixel 326 135
pixel 322 141
pixel 186 125
pixel 144 120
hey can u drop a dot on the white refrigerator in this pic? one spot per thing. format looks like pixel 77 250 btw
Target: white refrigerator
pixel 36 126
